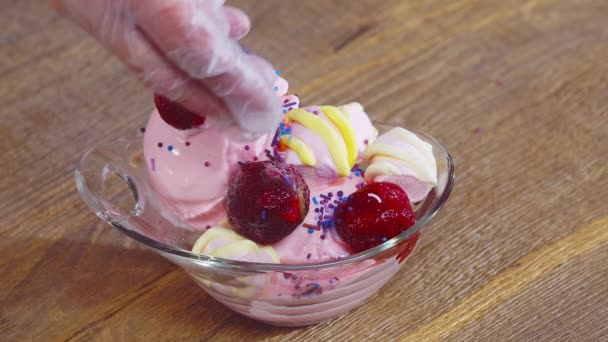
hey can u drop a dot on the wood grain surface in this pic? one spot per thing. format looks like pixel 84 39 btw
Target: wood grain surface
pixel 517 90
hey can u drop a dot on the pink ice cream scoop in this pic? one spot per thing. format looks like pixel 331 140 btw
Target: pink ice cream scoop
pixel 189 169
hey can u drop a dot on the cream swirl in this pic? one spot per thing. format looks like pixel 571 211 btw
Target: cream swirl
pixel 401 157
pixel 225 243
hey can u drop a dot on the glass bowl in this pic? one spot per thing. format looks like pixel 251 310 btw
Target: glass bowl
pixel 112 179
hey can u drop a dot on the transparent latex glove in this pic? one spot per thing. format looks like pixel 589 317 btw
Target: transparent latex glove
pixel 186 50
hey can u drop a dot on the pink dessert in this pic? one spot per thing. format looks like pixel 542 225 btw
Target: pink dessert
pixel 327 162
pixel 190 169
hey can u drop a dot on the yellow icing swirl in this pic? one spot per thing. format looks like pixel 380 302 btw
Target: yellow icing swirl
pixel 296 144
pixel 342 144
pixel 348 133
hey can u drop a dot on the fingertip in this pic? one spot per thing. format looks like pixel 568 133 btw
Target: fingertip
pixel 258 113
pixel 247 91
pixel 264 68
pixel 199 100
pixel 239 22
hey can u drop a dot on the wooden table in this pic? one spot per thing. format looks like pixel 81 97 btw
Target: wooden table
pixel 517 90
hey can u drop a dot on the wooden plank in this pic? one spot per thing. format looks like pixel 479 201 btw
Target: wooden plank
pixel 516 90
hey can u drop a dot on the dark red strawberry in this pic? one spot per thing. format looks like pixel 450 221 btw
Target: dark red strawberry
pixel 267 200
pixel 176 115
pixel 373 214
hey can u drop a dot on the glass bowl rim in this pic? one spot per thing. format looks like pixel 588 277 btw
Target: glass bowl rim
pixel 220 263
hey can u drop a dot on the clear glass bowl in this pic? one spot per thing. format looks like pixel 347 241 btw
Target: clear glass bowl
pixel 112 179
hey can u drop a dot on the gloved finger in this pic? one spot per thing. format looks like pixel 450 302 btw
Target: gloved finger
pixel 193 34
pixel 89 16
pixel 251 100
pixel 239 22
pixel 162 77
pixel 264 67
pixel 196 40
pixel 111 23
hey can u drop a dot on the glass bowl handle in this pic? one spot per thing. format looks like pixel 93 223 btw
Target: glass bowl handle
pixel 107 183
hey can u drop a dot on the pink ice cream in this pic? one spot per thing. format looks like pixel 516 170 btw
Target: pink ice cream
pixel 189 170
pixel 315 239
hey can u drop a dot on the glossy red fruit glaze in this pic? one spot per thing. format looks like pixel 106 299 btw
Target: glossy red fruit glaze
pixel 266 201
pixel 175 115
pixel 373 214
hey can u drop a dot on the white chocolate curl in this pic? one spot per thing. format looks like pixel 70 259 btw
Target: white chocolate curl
pixel 401 157
pixel 225 243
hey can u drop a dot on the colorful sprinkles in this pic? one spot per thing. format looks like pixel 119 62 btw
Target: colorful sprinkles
pixel 359 172
pixel 287 179
pixel 305 289
pixel 324 209
pixel 275 139
pixel 311 226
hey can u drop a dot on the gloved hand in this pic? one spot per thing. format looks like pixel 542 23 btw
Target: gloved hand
pixel 186 50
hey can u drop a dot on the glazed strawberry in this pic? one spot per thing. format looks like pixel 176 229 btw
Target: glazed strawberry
pixel 373 214
pixel 267 200
pixel 175 115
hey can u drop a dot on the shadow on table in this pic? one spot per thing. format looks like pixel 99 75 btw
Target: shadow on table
pixel 70 288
